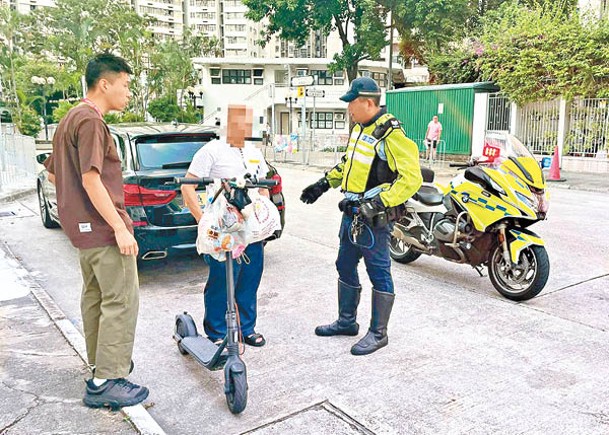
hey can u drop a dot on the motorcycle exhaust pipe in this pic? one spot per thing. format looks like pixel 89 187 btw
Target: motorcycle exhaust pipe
pixel 399 234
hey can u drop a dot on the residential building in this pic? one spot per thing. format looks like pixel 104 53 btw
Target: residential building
pixel 263 84
pixel 25 6
pixel 169 16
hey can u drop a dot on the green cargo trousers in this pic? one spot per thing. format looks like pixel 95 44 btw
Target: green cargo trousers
pixel 109 305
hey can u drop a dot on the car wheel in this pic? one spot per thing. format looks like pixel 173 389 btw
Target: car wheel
pixel 47 220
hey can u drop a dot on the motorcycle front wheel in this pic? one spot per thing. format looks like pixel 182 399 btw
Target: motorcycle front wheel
pixel 401 251
pixel 523 281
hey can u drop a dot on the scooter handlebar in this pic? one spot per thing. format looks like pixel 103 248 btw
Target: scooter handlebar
pixel 206 180
pixel 188 180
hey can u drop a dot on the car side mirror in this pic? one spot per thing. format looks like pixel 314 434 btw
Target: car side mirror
pixel 40 158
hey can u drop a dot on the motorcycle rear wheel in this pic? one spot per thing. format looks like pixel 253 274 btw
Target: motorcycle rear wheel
pixel 402 252
pixel 527 280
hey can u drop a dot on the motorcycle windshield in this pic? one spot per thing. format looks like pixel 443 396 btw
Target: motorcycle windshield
pixel 502 148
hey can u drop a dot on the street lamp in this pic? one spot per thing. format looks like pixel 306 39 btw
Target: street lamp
pixel 43 82
pixel 195 92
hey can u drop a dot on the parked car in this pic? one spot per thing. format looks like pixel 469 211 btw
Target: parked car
pixel 152 155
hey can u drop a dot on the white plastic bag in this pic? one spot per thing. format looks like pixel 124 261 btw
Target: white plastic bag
pixel 221 229
pixel 261 219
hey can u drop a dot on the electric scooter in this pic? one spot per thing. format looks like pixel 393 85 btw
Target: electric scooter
pixel 208 354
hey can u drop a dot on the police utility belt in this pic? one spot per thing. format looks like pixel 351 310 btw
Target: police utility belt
pixel 366 211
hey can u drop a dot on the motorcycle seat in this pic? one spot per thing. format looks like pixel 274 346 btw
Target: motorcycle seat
pixel 429 195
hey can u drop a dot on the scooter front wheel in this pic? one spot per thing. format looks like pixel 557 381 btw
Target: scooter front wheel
pixel 236 386
pixel 524 280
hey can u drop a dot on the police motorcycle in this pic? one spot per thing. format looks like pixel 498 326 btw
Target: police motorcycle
pixel 482 218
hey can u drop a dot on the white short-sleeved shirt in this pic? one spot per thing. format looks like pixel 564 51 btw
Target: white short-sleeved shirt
pixel 217 159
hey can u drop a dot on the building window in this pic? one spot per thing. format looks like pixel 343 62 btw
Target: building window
pixel 380 79
pixel 258 79
pixel 300 72
pixel 323 77
pixel 215 76
pixel 237 76
pixel 339 78
pixel 322 120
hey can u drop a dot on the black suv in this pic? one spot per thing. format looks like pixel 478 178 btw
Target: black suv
pixel 152 155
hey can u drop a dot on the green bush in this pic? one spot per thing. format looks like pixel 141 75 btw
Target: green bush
pixel 132 117
pixel 62 109
pixel 163 109
pixel 30 122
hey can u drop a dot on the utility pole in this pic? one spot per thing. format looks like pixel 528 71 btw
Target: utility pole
pixel 390 75
pixel 303 119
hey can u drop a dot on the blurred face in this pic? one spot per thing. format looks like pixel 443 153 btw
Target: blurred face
pixel 115 88
pixel 362 110
pixel 239 125
pixel 435 119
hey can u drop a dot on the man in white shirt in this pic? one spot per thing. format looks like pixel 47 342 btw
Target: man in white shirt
pixel 432 136
pixel 227 159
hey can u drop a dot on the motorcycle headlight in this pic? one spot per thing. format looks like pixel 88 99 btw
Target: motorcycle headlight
pixel 528 201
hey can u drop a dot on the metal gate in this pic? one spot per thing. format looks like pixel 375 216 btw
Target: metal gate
pixel 537 126
pixel 498 112
pixel 588 134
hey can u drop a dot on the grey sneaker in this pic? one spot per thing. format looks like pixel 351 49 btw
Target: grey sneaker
pixel 114 394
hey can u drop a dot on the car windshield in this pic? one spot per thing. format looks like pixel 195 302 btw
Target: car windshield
pixel 499 146
pixel 162 153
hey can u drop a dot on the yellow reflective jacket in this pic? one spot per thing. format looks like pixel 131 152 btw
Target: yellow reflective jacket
pixel 379 148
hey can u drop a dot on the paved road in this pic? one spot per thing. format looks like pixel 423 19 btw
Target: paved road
pixel 460 359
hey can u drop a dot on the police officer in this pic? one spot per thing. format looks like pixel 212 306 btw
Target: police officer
pixel 379 171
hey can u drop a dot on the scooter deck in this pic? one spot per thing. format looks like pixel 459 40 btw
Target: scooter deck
pixel 205 352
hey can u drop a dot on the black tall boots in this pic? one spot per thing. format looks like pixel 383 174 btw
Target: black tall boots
pixel 376 337
pixel 348 300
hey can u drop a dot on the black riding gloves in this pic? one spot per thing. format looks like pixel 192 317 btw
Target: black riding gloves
pixel 311 193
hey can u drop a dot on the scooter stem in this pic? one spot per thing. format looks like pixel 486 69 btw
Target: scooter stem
pixel 232 326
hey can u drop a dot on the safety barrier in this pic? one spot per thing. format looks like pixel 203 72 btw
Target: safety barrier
pixel 18 167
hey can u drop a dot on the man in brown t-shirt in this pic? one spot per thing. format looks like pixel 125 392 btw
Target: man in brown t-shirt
pixel 86 170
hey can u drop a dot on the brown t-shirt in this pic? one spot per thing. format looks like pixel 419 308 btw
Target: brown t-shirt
pixel 82 142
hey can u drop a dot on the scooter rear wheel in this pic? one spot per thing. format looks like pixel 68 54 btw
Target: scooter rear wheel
pixel 236 390
pixel 185 327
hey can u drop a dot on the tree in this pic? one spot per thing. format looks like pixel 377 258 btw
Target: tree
pixel 360 25
pixel 457 64
pixel 75 30
pixel 172 70
pixel 135 42
pixel 429 26
pixel 542 53
pixel 10 58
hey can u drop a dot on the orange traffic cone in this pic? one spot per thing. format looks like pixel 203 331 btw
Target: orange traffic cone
pixel 554 174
